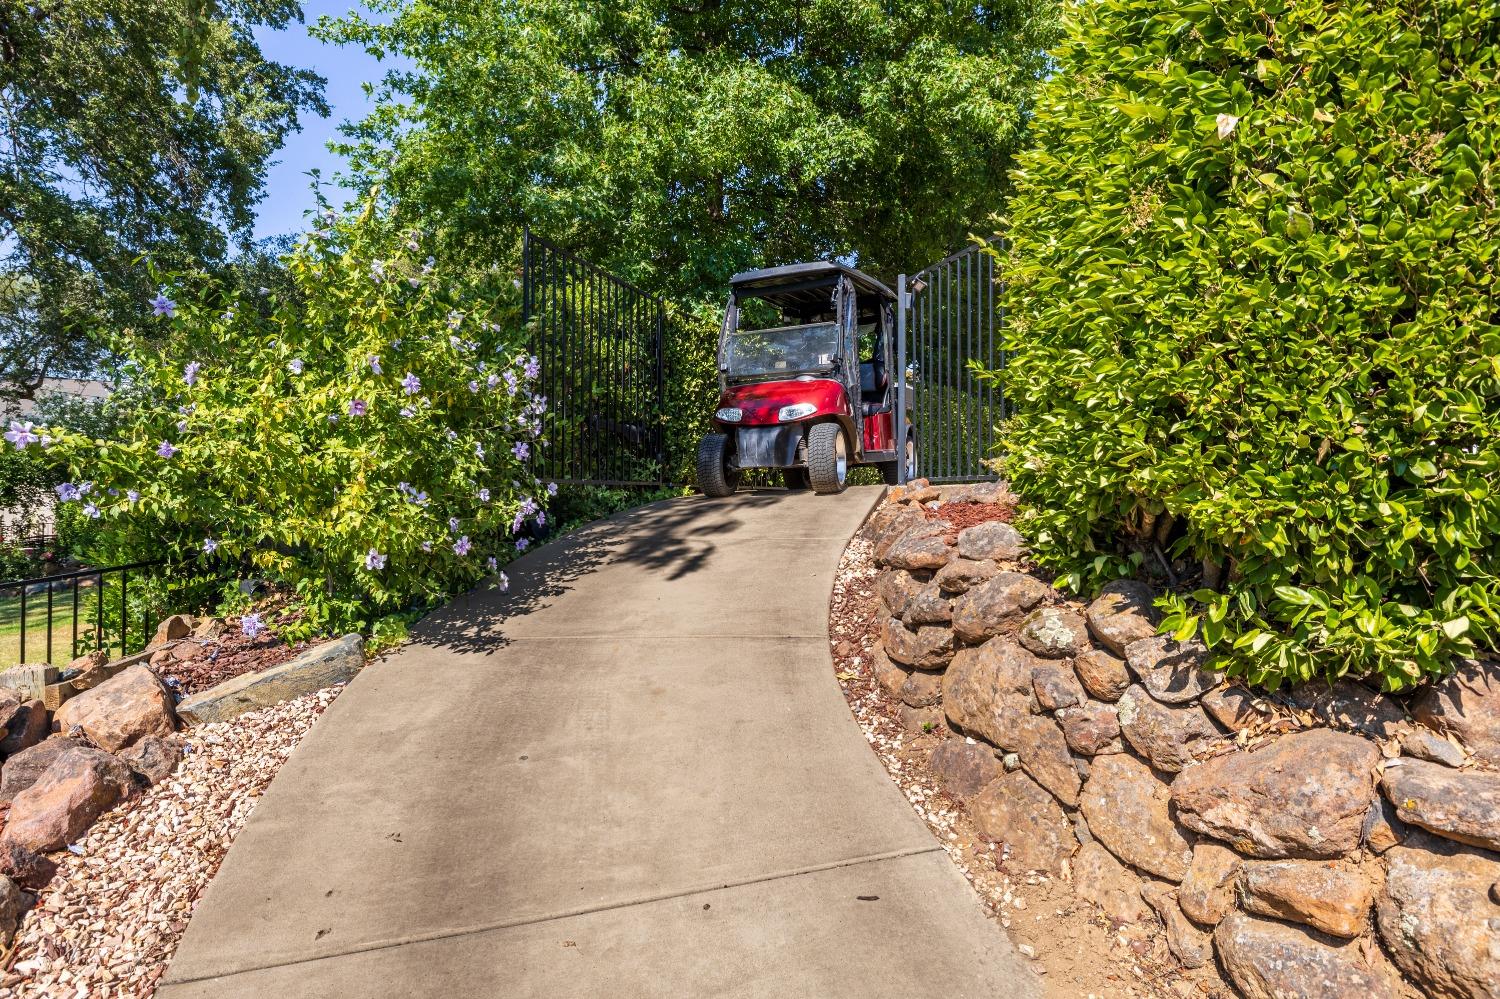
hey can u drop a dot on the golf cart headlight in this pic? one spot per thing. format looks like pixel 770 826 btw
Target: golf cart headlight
pixel 729 414
pixel 796 412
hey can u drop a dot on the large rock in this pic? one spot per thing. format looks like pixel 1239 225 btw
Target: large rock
pixel 26 868
pixel 1166 736
pixel 1207 893
pixel 1351 706
pixel 1171 670
pixel 1122 613
pixel 1271 960
pixel 1091 728
pixel 920 721
pixel 1438 920
pixel 928 606
pixel 12 906
pixel 964 767
pixel 1015 811
pixel 1235 708
pixel 889 675
pixel 992 606
pixel 991 540
pixel 22 770
pixel 175 627
pixel 1306 795
pixel 79 786
pixel 1333 899
pixel 1190 945
pixel 1382 828
pixel 1425 744
pixel 1463 805
pixel 896 528
pixel 922 548
pixel 1126 805
pixel 27 726
pixel 126 707
pixel 1466 705
pixel 930 646
pixel 962 574
pixel 1101 879
pixel 978 677
pixel 1055 685
pixel 897 588
pixel 153 758
pixel 1102 675
pixel 333 662
pixel 1054 633
pixel 1043 750
pixel 922 689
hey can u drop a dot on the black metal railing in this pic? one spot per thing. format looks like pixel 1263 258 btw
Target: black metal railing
pixel 951 316
pixel 599 340
pixel 97 605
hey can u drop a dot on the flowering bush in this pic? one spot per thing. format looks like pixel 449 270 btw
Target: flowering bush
pixel 362 440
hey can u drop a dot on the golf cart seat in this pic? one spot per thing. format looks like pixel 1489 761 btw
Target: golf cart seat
pixel 872 387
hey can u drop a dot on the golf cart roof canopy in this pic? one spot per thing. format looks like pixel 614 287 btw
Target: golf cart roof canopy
pixel 803 284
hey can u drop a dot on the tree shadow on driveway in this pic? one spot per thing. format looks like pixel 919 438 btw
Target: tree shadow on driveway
pixel 672 538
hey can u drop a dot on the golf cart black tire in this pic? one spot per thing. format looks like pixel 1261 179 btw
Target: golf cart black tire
pixel 714 476
pixel 823 458
pixel 794 478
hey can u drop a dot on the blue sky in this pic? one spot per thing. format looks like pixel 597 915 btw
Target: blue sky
pixel 288 192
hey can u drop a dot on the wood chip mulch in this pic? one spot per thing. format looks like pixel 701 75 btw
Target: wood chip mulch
pixel 109 922
pixel 229 656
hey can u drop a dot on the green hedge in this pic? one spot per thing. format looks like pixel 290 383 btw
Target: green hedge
pixel 1251 283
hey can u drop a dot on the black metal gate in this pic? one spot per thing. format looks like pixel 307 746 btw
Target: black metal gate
pixel 599 340
pixel 949 315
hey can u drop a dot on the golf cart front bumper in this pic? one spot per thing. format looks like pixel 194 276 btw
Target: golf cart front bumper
pixel 768 447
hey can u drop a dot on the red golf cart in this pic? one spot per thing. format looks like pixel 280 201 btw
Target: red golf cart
pixel 803 380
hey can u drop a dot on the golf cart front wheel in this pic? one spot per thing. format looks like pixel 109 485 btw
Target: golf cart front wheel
pixel 715 477
pixel 827 458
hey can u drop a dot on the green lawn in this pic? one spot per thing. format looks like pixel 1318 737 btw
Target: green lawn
pixel 36 624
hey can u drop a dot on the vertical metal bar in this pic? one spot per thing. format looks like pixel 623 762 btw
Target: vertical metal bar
pixel 898 439
pixel 23 622
pixel 1004 404
pixel 73 648
pixel 49 622
pixel 124 607
pixel 99 614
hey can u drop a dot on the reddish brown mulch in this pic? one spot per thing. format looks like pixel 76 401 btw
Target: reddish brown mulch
pixel 225 658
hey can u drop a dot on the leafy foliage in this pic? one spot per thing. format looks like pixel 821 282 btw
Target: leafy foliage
pixel 129 128
pixel 677 143
pixel 1252 279
pixel 363 441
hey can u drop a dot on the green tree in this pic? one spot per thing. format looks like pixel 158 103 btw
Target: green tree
pixel 679 142
pixel 126 129
pixel 1252 290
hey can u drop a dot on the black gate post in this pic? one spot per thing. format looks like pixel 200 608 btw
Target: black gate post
pixel 901 390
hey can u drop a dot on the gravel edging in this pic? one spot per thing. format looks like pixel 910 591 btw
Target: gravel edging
pixel 108 923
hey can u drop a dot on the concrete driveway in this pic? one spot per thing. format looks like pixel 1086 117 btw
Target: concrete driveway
pixel 634 775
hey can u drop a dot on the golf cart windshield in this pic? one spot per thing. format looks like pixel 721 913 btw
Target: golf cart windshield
pixel 781 350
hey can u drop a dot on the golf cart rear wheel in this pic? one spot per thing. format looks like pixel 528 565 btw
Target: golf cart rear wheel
pixel 794 478
pixel 715 477
pixel 827 458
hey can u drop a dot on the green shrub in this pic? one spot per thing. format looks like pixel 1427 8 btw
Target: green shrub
pixel 361 440
pixel 1251 282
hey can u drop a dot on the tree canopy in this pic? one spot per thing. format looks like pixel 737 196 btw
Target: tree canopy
pixel 127 129
pixel 678 142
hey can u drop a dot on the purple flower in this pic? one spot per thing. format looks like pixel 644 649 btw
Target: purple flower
pixel 251 625
pixel 453 435
pixel 420 499
pixel 190 372
pixel 522 544
pixel 541 518
pixel 427 546
pixel 295 365
pixel 358 407
pixel 20 434
pixel 528 506
pixel 182 426
pixel 462 546
pixel 166 450
pixel 453 524
pixel 493 380
pixel 533 368
pixel 374 560
pixel 333 417
pixel 552 489
pixel 403 487
pixel 473 386
pixel 377 270
pixel 479 451
pixel 375 364
pixel 411 383
pixel 67 492
pixel 484 495
pixel 455 320
pixel 511 383
pixel 91 511
pixel 521 450
pixel 411 244
pixel 133 496
pixel 161 305
pixel 407 412
pixel 504 582
pixel 210 546
pixel 491 564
